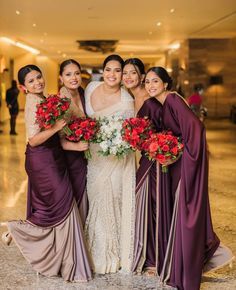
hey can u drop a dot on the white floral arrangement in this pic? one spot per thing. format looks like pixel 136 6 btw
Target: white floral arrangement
pixel 110 138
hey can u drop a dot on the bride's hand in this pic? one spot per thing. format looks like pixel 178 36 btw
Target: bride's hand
pixel 82 146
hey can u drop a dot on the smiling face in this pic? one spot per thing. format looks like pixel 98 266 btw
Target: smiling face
pixel 131 76
pixel 34 82
pixel 112 73
pixel 71 76
pixel 154 85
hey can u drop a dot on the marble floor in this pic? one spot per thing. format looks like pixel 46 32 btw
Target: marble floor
pixel 15 273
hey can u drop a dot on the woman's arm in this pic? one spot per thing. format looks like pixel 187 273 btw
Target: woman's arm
pixel 42 136
pixel 74 146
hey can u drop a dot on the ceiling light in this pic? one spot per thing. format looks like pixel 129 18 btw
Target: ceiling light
pixel 64 55
pixel 17 12
pixel 174 46
pixel 21 45
pixel 150 32
pixel 158 23
pixel 172 10
pixel 169 70
pixel 34 25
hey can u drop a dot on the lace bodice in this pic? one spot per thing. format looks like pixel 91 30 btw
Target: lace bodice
pixel 125 108
pixel 31 126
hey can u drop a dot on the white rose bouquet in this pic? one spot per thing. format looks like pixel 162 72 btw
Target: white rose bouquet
pixel 110 137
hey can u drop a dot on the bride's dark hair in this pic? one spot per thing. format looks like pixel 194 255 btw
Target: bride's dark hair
pixel 115 57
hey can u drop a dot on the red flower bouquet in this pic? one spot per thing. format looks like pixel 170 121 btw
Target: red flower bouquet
pixel 82 129
pixel 163 147
pixel 50 110
pixel 136 131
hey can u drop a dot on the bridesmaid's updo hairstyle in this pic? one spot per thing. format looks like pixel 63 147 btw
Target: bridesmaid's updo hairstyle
pixel 22 73
pixel 114 57
pixel 163 75
pixel 66 62
pixel 137 63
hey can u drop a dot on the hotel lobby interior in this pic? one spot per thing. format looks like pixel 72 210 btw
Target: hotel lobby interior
pixel 194 40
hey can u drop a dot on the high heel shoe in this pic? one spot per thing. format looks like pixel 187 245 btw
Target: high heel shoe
pixel 6 238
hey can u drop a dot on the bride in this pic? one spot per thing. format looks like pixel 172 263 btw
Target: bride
pixel 111 181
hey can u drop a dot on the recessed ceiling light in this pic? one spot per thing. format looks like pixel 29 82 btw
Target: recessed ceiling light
pixel 34 25
pixel 172 10
pixel 17 12
pixel 64 55
pixel 159 23
pixel 150 32
pixel 21 45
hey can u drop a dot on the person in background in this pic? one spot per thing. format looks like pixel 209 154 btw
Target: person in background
pixel 13 106
pixel 195 102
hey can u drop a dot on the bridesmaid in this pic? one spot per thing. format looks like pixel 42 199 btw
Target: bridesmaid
pixel 133 80
pixel 51 238
pixel 147 174
pixel 70 76
pixel 187 243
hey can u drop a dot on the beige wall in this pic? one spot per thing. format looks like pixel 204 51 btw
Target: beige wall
pixel 49 69
pixel 203 58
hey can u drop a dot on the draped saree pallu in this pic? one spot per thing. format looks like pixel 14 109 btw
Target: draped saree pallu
pixel 51 239
pixel 75 160
pixel 147 199
pixel 111 195
pixel 186 238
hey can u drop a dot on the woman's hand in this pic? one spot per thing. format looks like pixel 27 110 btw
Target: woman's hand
pixel 82 146
pixel 169 161
pixel 59 125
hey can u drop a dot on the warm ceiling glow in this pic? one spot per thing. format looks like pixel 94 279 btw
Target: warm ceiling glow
pixel 17 12
pixel 175 45
pixel 21 45
pixel 158 23
pixel 172 10
pixel 34 25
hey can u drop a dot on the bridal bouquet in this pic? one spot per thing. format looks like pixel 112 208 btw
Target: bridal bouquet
pixel 136 131
pixel 163 147
pixel 50 110
pixel 110 137
pixel 82 129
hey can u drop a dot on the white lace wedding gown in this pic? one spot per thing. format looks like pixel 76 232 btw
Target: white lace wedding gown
pixel 111 194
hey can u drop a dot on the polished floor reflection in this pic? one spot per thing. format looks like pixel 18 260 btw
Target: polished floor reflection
pixel 15 273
